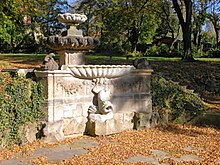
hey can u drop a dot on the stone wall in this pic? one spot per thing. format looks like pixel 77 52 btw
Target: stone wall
pixel 68 100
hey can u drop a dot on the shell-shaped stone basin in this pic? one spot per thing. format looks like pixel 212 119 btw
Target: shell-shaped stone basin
pixel 100 71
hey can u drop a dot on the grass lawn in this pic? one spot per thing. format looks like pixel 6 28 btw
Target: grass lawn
pixel 89 58
pixel 23 55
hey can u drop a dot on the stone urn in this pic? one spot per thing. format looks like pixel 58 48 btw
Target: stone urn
pixel 72 46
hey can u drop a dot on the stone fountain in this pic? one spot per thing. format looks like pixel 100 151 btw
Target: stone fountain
pixel 92 99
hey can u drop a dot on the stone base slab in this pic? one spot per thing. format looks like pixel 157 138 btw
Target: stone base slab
pixel 120 122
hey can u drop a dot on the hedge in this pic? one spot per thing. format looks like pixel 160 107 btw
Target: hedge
pixel 181 104
pixel 20 102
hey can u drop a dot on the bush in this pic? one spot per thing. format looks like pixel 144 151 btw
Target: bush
pixel 162 51
pixel 214 53
pixel 152 51
pixel 182 105
pixel 20 102
pixel 133 54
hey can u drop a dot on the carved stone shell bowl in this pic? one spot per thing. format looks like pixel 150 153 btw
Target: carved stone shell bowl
pixel 100 71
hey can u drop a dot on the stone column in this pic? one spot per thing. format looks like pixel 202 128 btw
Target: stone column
pixel 70 57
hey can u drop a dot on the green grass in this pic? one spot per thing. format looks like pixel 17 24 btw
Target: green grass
pixel 23 55
pixel 114 58
pixel 208 59
pixel 94 57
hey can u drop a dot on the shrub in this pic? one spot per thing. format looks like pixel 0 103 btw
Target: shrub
pixel 134 54
pixel 214 53
pixel 152 51
pixel 162 51
pixel 182 105
pixel 20 102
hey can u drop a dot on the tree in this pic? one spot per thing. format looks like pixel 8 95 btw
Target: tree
pixel 9 18
pixel 169 21
pixel 214 17
pixel 21 19
pixel 199 18
pixel 119 23
pixel 185 17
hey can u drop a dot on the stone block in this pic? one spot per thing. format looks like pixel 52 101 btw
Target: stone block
pixel 28 133
pixel 120 122
pixel 58 130
pixel 58 113
pixel 54 131
pixel 124 103
pixel 74 126
pixel 142 120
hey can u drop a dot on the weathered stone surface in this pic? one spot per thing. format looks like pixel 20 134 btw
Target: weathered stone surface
pixel 74 126
pixel 188 158
pixel 54 155
pixel 154 119
pixel 124 103
pixel 140 158
pixel 65 154
pixel 54 132
pixel 100 71
pixel 160 155
pixel 142 120
pixel 49 63
pixel 19 161
pixel 85 143
pixel 120 122
pixel 141 63
pixel 71 97
pixel 28 133
pixel 73 43
pixel 57 131
pixel 194 149
pixel 72 18
pixel 71 58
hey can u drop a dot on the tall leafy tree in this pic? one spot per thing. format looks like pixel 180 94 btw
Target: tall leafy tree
pixel 10 21
pixel 20 20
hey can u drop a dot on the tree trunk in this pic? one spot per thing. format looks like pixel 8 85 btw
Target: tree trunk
pixel 133 38
pixel 199 40
pixel 187 44
pixel 186 27
pixel 216 36
pixel 195 38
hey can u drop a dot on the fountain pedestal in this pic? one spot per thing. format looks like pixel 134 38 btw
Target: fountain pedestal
pixel 68 57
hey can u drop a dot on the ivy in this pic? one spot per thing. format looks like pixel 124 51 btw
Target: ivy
pixel 176 99
pixel 20 102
